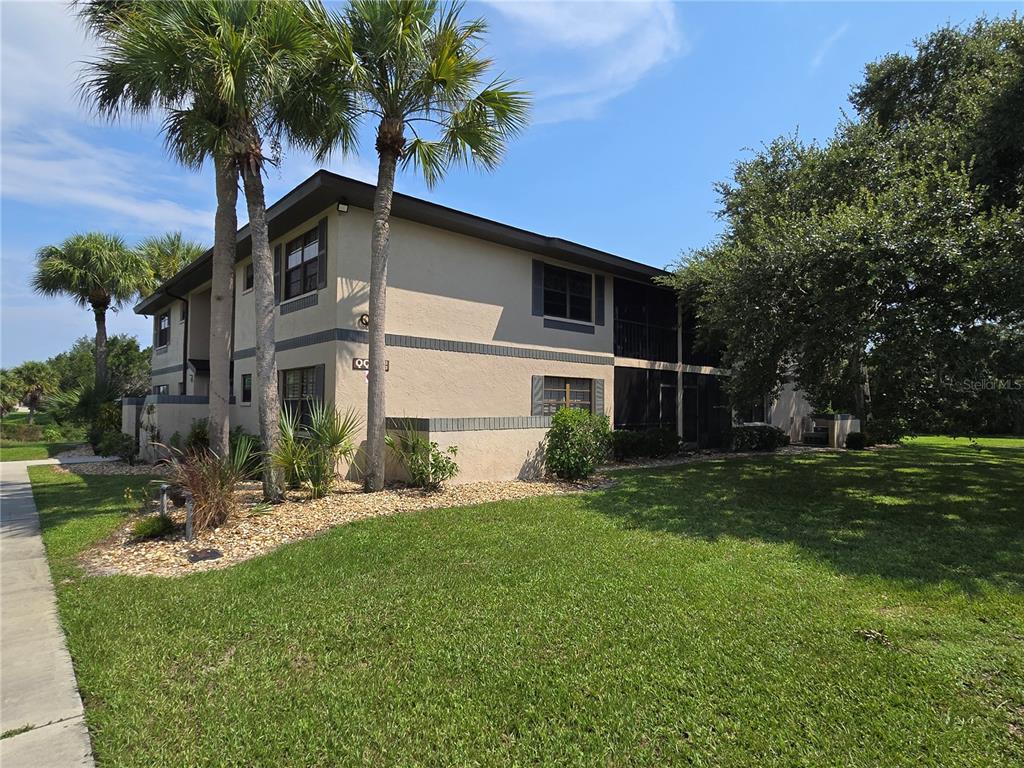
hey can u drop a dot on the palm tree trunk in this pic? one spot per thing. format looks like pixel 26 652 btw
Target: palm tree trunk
pixel 266 360
pixel 99 311
pixel 222 303
pixel 379 248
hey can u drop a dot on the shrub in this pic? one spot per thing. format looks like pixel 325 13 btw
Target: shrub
pixel 107 419
pixel 198 438
pixel 758 437
pixel 886 431
pixel 53 434
pixel 27 433
pixel 210 480
pixel 309 454
pixel 428 466
pixel 856 441
pixel 577 441
pixel 118 444
pixel 153 527
pixel 651 443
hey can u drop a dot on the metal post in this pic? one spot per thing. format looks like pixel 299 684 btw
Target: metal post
pixel 163 499
pixel 188 518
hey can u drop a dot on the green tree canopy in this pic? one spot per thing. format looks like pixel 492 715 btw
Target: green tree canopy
pixel 876 268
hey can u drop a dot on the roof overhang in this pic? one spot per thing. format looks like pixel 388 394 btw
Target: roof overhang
pixel 325 189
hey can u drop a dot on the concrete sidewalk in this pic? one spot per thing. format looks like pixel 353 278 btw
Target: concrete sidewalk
pixel 37 682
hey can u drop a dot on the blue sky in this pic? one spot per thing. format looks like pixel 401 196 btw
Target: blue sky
pixel 640 108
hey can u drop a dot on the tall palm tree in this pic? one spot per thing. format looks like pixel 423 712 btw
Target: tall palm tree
pixel 167 254
pixel 224 72
pixel 96 270
pixel 419 70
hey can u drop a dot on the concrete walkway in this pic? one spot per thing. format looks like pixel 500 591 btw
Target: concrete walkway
pixel 37 682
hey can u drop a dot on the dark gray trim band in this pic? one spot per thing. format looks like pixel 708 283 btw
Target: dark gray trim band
pixel 132 400
pixel 561 325
pixel 471 423
pixel 309 300
pixel 439 345
pixel 162 371
pixel 177 400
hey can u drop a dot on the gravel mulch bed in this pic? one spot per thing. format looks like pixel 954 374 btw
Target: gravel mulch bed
pixel 108 468
pixel 252 532
pixel 76 452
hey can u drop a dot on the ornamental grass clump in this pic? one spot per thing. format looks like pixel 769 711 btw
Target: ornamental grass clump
pixel 210 480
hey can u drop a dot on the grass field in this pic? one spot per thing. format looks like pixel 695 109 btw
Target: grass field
pixel 17 450
pixel 14 450
pixel 855 609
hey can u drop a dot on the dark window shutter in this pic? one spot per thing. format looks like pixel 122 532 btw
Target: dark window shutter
pixel 321 262
pixel 156 330
pixel 319 372
pixel 537 397
pixel 598 395
pixel 277 274
pixel 538 288
pixel 599 299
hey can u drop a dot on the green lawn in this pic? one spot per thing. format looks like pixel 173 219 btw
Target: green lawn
pixel 13 450
pixel 836 609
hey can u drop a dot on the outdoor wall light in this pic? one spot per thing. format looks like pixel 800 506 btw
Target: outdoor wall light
pixel 364 320
pixel 342 207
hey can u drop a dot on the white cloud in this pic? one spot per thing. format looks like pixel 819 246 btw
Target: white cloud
pixel 826 45
pixel 602 50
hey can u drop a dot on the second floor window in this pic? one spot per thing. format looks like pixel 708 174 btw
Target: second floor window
pixel 248 278
pixel 246 387
pixel 301 264
pixel 163 329
pixel 568 293
pixel 160 389
pixel 563 392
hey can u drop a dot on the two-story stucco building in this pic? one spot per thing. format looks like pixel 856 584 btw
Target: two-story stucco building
pixel 490 329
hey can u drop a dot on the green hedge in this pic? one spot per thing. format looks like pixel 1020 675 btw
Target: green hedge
pixel 647 444
pixel 758 437
pixel 25 433
pixel 577 441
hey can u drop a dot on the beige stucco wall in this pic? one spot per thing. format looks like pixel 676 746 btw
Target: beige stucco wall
pixel 441 286
pixel 160 421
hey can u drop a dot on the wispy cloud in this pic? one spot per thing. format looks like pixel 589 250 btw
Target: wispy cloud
pixel 599 50
pixel 826 45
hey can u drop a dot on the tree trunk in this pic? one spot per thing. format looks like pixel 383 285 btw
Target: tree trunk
pixel 222 304
pixel 99 312
pixel 266 360
pixel 379 249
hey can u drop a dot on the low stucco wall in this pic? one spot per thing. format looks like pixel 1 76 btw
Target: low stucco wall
pixel 497 454
pixel 160 420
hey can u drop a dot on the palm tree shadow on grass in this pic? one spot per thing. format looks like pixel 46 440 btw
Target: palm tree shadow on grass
pixel 920 513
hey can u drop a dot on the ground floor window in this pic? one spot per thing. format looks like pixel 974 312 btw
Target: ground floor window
pixel 299 390
pixel 160 389
pixel 563 392
pixel 246 387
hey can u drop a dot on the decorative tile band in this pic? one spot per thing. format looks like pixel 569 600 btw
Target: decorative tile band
pixel 300 303
pixel 471 423
pixel 439 345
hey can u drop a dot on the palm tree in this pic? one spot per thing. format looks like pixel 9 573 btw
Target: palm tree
pixel 224 73
pixel 37 380
pixel 419 70
pixel 96 270
pixel 167 254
